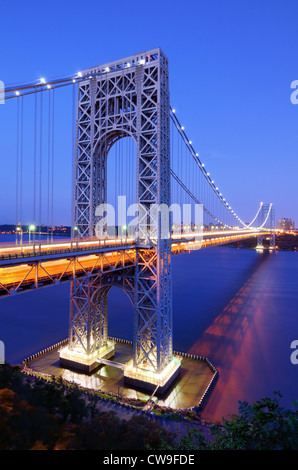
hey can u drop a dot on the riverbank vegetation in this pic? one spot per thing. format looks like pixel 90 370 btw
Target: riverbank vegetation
pixel 265 425
pixel 45 415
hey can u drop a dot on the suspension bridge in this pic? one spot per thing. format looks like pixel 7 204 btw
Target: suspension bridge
pixel 140 195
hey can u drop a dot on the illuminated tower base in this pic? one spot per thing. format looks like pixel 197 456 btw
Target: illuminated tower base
pixel 143 379
pixel 260 246
pixel 148 380
pixel 80 361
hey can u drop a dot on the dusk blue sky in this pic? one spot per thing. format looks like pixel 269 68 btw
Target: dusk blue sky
pixel 231 66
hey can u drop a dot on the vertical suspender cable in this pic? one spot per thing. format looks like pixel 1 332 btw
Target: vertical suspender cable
pixel 126 167
pixel 133 171
pixel 121 167
pixel 127 171
pixel 172 160
pixel 21 161
pixel 188 200
pixel 120 186
pixel 116 163
pixel 185 172
pixel 17 169
pixel 172 145
pixel 129 179
pixel 53 154
pixel 127 161
pixel 49 166
pixel 194 170
pixel 73 159
pixel 133 185
pixel 122 144
pixel 40 167
pixel 203 198
pixel 34 158
pixel 115 176
pixel 116 173
pixel 180 168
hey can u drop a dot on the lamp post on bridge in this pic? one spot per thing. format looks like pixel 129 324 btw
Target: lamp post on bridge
pixel 32 228
pixel 124 231
pixel 76 233
pixel 19 231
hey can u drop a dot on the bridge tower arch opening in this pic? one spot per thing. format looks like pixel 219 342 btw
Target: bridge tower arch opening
pixel 127 98
pixel 121 188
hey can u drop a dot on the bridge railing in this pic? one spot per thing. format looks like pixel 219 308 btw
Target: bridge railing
pixel 44 248
pixel 63 246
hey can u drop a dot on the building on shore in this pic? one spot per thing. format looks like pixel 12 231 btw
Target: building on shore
pixel 286 224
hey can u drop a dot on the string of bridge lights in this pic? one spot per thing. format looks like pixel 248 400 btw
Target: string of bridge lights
pixel 42 85
pixel 195 155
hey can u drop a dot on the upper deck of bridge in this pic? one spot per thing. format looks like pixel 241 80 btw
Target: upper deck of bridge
pixel 14 254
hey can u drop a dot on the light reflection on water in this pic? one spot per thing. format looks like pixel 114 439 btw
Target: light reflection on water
pixel 237 307
pixel 249 339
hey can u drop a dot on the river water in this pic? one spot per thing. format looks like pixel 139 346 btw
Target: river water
pixel 236 306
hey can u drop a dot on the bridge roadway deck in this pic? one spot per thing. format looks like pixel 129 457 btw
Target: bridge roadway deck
pixel 40 264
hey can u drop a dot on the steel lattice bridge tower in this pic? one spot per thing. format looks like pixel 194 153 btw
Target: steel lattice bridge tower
pixel 133 101
pixel 126 98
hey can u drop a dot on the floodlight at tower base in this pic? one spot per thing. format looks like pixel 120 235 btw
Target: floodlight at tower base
pixel 147 380
pixel 75 359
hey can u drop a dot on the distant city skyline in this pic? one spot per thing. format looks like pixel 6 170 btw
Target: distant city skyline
pixel 286 224
pixel 231 69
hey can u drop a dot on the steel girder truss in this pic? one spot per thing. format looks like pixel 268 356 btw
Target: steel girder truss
pixel 33 274
pixel 128 98
pixel 89 315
